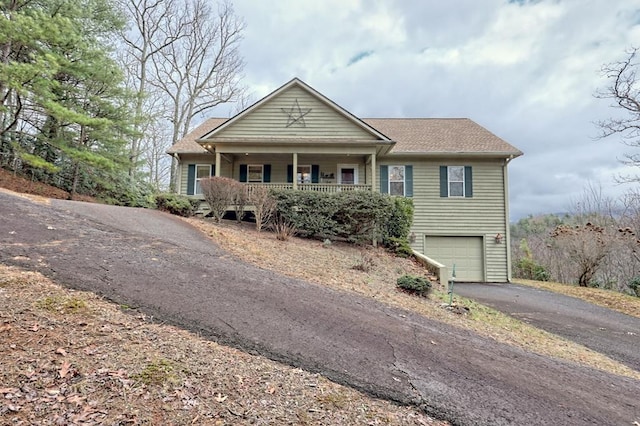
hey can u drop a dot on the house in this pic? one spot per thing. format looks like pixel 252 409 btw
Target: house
pixel 296 138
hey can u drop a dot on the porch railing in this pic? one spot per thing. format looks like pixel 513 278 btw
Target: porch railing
pixel 319 187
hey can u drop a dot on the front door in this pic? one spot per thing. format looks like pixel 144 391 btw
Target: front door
pixel 348 174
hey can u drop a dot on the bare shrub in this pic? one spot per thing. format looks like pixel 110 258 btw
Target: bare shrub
pixel 219 193
pixel 240 199
pixel 365 262
pixel 585 246
pixel 264 206
pixel 283 228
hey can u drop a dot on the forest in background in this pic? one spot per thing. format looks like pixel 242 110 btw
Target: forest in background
pixel 594 245
pixel 95 91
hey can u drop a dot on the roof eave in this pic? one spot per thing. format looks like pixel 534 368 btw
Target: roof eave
pixel 441 154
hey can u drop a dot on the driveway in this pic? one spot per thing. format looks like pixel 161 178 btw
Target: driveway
pixel 601 329
pixel 171 271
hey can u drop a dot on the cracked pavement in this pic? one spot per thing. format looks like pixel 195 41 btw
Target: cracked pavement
pixel 169 270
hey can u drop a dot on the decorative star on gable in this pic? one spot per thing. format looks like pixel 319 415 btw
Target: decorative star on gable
pixel 296 114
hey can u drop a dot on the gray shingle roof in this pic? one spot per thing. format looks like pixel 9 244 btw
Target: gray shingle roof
pixel 188 144
pixel 440 135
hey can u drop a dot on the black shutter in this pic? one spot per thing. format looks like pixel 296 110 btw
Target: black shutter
pixel 384 179
pixel 191 179
pixel 289 173
pixel 243 173
pixel 444 182
pixel 468 182
pixel 315 173
pixel 266 173
pixel 408 181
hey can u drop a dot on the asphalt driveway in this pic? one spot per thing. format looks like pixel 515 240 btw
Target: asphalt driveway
pixel 603 330
pixel 171 271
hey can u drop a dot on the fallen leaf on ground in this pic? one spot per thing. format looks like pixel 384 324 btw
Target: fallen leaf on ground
pixel 61 351
pixel 64 370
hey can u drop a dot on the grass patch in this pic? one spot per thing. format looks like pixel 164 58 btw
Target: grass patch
pixel 63 304
pixel 157 372
pixel 620 302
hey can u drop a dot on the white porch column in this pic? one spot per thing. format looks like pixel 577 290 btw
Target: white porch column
pixel 295 170
pixel 218 164
pixel 373 173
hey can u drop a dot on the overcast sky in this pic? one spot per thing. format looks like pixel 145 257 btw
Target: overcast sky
pixel 525 70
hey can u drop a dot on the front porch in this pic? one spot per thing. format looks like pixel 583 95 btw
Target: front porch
pixel 327 173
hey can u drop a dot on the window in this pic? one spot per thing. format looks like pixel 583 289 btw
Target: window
pixel 254 172
pixel 304 174
pixel 456 181
pixel 203 171
pixel 396 180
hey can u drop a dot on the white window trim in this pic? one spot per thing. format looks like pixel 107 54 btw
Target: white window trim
pixel 348 166
pixel 404 179
pixel 449 181
pixel 197 179
pixel 261 172
pixel 310 172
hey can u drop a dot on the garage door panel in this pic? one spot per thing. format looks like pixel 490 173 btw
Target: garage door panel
pixel 465 253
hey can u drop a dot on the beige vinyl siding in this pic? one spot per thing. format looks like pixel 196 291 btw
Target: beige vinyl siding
pixel 269 120
pixel 483 215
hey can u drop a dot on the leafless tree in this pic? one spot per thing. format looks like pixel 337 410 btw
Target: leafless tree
pixel 144 38
pixel 183 60
pixel 624 92
pixel 203 69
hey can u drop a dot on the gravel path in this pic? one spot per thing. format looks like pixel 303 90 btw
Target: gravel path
pixel 169 270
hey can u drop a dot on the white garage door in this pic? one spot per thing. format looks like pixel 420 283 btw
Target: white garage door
pixel 463 252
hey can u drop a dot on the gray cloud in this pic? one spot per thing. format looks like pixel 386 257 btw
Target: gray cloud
pixel 526 70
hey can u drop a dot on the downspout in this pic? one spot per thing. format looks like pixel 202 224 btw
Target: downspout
pixel 505 178
pixel 174 179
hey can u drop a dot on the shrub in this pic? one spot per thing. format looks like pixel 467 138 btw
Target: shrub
pixel 355 216
pixel 399 247
pixel 415 285
pixel 634 285
pixel 283 228
pixel 398 224
pixel 529 269
pixel 264 206
pixel 365 263
pixel 240 198
pixel 176 204
pixel 219 193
